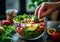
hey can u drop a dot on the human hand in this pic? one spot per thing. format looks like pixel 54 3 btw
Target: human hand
pixel 45 9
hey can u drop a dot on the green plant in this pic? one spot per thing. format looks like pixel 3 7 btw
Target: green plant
pixel 7 35
pixel 35 3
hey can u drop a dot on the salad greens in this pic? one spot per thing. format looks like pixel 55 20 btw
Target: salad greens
pixel 25 17
pixel 35 19
pixel 30 31
pixel 7 35
pixel 20 17
pixel 30 34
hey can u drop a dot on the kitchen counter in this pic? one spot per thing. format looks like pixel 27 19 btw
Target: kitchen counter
pixel 45 38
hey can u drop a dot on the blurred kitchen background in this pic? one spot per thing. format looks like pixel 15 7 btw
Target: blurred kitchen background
pixel 26 6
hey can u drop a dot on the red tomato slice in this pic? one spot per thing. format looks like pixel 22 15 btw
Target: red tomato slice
pixel 5 22
pixel 42 27
pixel 20 31
pixel 38 30
pixel 42 23
pixel 56 35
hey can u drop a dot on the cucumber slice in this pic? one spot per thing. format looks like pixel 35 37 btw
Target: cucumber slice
pixel 32 27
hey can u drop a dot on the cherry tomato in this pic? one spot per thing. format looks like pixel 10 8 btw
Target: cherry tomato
pixel 42 23
pixel 56 35
pixel 42 27
pixel 38 30
pixel 5 22
pixel 20 31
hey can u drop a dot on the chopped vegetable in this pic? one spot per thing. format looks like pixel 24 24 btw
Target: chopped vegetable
pixel 24 16
pixel 20 31
pixel 7 35
pixel 42 27
pixel 38 30
pixel 19 18
pixel 51 30
pixel 33 27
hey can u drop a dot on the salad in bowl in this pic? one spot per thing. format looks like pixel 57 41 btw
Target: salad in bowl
pixel 29 26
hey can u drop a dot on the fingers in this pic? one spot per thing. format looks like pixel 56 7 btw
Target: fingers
pixel 44 10
pixel 49 11
pixel 36 11
pixel 41 10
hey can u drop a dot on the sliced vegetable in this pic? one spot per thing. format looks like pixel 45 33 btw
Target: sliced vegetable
pixel 56 35
pixel 24 16
pixel 33 27
pixel 38 30
pixel 51 30
pixel 6 36
pixel 42 27
pixel 20 31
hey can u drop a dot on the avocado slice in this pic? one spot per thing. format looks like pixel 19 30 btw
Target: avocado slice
pixel 33 27
pixel 51 30
pixel 35 19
